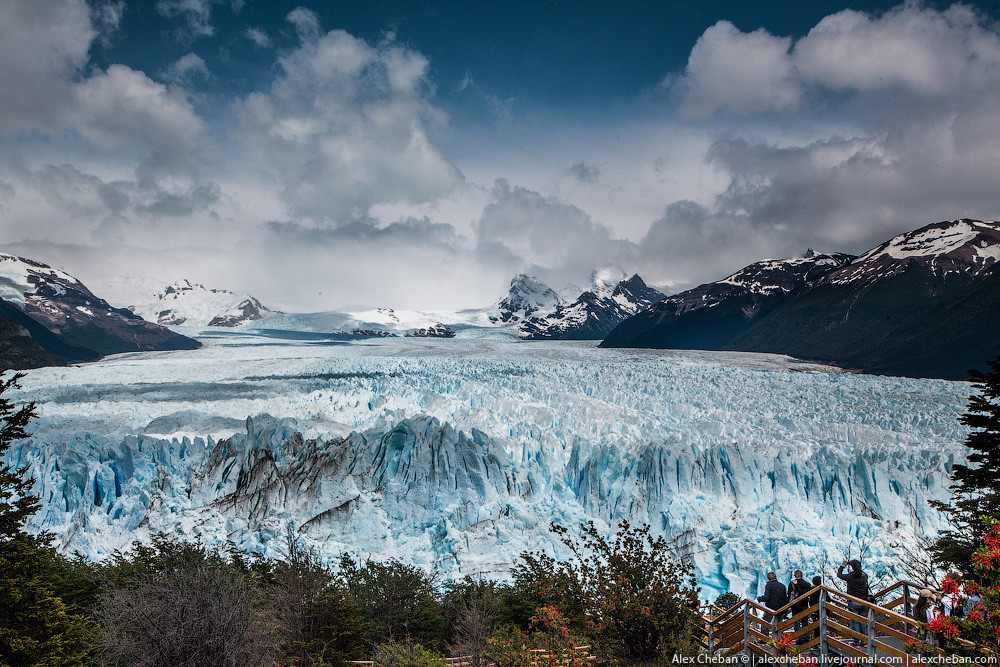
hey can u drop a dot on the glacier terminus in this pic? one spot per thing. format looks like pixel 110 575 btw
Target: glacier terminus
pixel 456 455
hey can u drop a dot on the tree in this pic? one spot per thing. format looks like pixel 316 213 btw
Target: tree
pixel 318 622
pixel 727 600
pixel 399 601
pixel 175 603
pixel 637 601
pixel 35 626
pixel 976 487
pixel 405 654
pixel 474 612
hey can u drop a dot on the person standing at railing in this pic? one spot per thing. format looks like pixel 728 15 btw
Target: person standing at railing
pixel 923 611
pixel 798 589
pixel 775 597
pixel 814 602
pixel 857 586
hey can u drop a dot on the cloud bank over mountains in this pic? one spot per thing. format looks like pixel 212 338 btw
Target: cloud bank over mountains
pixel 345 178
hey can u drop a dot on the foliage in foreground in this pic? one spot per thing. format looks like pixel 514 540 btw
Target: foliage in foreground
pixel 976 486
pixel 974 546
pixel 629 594
pixel 36 628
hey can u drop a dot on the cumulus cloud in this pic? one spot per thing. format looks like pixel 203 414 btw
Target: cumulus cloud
pixel 913 97
pixel 106 17
pixel 909 50
pixel 124 110
pixel 259 37
pixel 196 16
pixel 738 72
pixel 43 47
pixel 187 69
pixel 347 125
pixel 555 240
pixel 911 47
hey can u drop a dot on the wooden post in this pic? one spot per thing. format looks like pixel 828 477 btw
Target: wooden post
pixel 711 635
pixel 823 648
pixel 746 628
pixel 871 632
pixel 906 600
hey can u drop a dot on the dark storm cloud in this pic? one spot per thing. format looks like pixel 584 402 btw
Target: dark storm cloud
pixel 410 232
pixel 557 240
pixel 585 173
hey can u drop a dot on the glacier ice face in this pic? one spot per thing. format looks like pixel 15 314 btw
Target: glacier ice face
pixel 457 454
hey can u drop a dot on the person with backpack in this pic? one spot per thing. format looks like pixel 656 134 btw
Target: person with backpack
pixel 798 591
pixel 857 586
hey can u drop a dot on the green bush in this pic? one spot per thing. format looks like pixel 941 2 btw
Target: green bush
pixel 405 654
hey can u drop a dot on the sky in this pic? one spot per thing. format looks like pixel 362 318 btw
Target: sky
pixel 417 155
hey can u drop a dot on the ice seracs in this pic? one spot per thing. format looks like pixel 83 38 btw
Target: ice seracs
pixel 457 454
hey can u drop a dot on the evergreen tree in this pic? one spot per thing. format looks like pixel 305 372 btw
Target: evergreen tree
pixel 975 487
pixel 35 627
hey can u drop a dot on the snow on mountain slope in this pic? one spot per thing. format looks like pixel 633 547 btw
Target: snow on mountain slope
pixel 193 304
pixel 775 276
pixel 526 297
pixel 456 455
pixel 83 326
pixel 611 299
pixel 965 246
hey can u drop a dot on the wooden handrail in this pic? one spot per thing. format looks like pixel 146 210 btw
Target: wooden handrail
pixel 739 629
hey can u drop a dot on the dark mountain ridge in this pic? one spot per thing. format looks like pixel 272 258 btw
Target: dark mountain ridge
pixel 922 304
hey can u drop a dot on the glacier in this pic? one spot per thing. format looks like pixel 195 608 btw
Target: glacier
pixel 457 454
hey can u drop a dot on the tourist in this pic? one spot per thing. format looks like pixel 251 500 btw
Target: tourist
pixel 857 587
pixel 798 589
pixel 775 597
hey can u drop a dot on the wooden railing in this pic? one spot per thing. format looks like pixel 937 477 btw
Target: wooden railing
pixel 823 627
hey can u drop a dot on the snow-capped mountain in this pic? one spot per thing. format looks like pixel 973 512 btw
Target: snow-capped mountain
pixel 708 316
pixel 189 303
pixel 526 297
pixel 69 320
pixel 966 247
pixel 922 304
pixel 611 299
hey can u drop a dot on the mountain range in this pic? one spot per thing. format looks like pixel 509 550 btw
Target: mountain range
pixel 922 304
pixel 595 312
pixel 65 321
pixel 184 302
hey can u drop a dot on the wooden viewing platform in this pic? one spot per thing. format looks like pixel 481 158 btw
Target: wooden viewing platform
pixel 827 631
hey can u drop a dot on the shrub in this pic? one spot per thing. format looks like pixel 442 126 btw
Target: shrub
pixel 405 654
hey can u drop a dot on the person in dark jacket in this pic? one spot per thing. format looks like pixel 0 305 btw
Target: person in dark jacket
pixel 775 596
pixel 798 590
pixel 814 601
pixel 857 586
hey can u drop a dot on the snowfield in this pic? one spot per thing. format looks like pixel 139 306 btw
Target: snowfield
pixel 457 454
